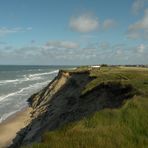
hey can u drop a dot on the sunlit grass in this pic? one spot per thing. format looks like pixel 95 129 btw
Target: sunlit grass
pixel 124 127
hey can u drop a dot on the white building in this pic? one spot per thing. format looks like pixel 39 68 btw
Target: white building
pixel 95 66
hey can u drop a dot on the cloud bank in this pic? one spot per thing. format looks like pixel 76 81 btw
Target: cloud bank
pixel 69 52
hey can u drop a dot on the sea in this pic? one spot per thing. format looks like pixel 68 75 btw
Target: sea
pixel 18 83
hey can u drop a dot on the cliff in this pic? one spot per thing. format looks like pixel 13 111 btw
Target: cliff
pixel 52 105
pixel 65 100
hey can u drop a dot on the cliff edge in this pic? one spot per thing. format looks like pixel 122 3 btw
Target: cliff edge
pixel 65 100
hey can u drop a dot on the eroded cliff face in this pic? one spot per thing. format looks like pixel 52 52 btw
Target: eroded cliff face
pixel 62 102
pixel 53 105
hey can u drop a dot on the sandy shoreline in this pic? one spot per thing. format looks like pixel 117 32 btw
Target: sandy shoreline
pixel 10 126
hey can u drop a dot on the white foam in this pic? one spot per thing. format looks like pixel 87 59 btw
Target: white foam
pixel 30 77
pixel 45 73
pixel 8 81
pixel 26 78
pixel 19 80
pixel 9 95
pixel 6 115
pixel 25 90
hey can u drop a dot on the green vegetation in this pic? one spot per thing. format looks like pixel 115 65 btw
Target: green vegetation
pixel 120 127
pixel 104 65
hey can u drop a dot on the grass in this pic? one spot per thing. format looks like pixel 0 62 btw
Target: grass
pixel 121 127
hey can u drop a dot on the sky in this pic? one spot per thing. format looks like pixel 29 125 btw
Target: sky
pixel 73 32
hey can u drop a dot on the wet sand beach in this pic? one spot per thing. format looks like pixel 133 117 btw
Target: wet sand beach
pixel 10 126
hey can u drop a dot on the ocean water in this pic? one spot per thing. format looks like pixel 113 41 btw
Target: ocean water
pixel 18 83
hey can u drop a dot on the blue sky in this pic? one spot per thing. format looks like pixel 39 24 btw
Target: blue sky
pixel 73 32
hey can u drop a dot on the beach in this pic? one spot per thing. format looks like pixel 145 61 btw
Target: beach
pixel 13 124
pixel 17 84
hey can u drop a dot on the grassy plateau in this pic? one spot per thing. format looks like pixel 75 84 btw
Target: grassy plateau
pixel 124 126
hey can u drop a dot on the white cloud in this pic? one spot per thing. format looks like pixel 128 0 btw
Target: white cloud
pixel 141 48
pixel 140 28
pixel 5 31
pixel 62 44
pixel 84 23
pixel 109 23
pixel 138 5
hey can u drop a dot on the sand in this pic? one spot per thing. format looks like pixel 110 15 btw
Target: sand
pixel 10 126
